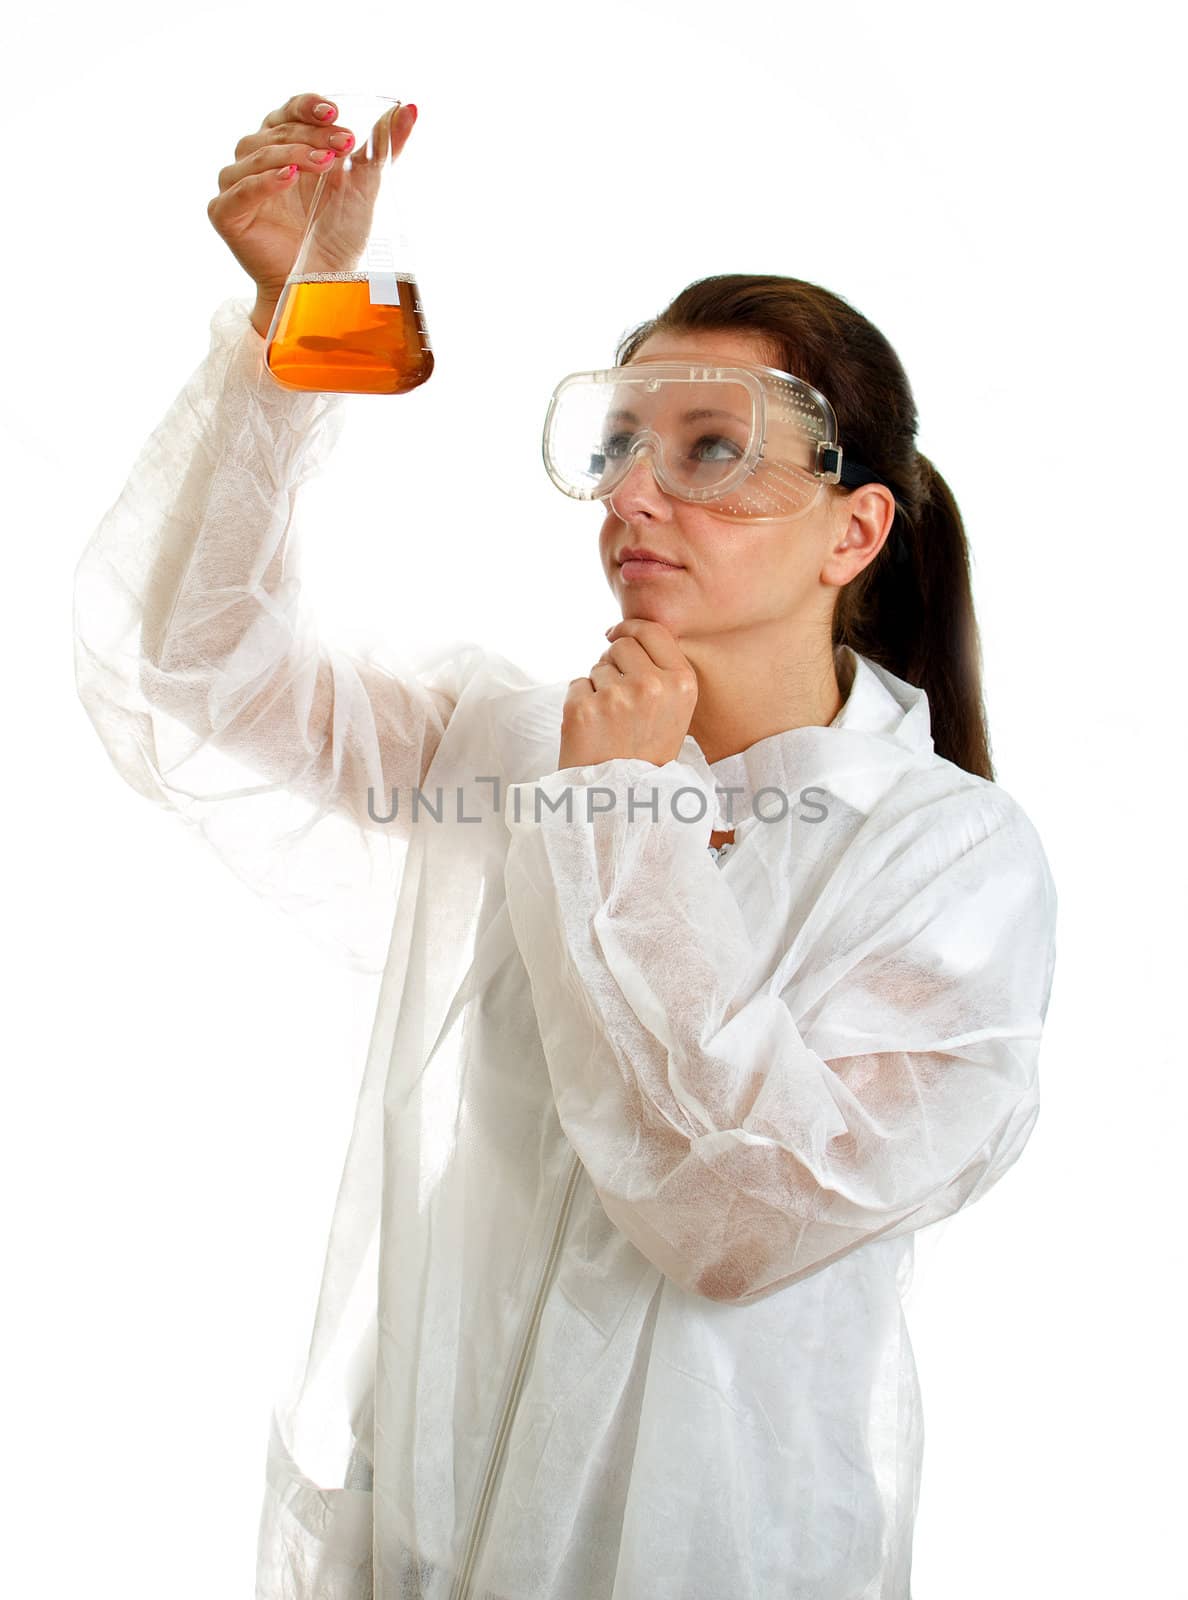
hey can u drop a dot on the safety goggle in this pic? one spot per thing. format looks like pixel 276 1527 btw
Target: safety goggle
pixel 747 442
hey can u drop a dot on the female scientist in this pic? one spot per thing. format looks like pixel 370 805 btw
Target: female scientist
pixel 708 977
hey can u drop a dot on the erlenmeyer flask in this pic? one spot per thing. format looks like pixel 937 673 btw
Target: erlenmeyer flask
pixel 349 318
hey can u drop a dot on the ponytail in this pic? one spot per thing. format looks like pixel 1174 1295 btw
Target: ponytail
pixel 912 611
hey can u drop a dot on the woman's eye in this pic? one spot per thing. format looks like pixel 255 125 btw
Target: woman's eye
pixel 716 438
pixel 614 448
pixel 611 451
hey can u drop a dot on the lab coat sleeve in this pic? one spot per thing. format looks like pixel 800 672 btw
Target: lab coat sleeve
pixel 204 675
pixel 744 1127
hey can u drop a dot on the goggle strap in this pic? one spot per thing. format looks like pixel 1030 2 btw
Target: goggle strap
pixel 833 468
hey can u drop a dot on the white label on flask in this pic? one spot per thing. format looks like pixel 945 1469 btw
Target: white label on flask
pixel 383 289
pixel 382 286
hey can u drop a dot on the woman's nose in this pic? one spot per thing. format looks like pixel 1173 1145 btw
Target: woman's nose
pixel 638 484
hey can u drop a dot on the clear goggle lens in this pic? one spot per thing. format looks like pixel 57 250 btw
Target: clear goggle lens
pixel 745 443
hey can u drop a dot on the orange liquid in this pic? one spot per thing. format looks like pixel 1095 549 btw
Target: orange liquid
pixel 330 336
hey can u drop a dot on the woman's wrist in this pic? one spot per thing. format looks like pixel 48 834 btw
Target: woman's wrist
pixel 261 317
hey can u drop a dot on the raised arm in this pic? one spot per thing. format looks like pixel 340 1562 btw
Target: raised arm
pixel 195 660
pixel 205 678
pixel 204 543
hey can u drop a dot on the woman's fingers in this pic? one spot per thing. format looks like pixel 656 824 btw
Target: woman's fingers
pixel 303 108
pixel 657 642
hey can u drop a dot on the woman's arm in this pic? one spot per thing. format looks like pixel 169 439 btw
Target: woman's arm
pixel 198 664
pixel 744 1127
pixel 191 586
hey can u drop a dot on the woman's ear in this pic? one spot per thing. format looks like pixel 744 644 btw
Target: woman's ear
pixel 862 526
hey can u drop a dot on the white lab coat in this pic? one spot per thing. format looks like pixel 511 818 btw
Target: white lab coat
pixel 612 1304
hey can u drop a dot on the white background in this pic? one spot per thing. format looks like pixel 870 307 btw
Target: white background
pixel 998 191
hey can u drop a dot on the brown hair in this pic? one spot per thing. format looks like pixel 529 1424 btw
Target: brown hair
pixel 911 608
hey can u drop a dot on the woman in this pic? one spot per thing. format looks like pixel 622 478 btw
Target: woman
pixel 611 1304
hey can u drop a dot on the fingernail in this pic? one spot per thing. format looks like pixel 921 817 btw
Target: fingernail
pixel 323 111
pixel 609 631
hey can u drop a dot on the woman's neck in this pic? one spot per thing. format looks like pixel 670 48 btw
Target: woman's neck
pixel 736 709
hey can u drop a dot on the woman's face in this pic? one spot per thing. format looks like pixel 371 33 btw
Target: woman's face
pixel 730 574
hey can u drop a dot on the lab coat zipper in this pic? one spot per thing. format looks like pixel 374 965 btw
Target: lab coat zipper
pixel 461 1588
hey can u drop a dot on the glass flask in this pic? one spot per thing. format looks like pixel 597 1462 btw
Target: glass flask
pixel 349 318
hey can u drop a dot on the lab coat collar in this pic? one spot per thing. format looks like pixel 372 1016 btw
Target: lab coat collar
pixel 882 729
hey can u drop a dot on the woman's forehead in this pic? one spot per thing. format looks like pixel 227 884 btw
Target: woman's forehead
pixel 712 346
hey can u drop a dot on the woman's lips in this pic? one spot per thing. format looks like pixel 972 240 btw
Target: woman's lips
pixel 646 569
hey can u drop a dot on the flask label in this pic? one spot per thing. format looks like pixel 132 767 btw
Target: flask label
pixel 382 287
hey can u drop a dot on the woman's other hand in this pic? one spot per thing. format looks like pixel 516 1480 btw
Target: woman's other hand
pixel 638 700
